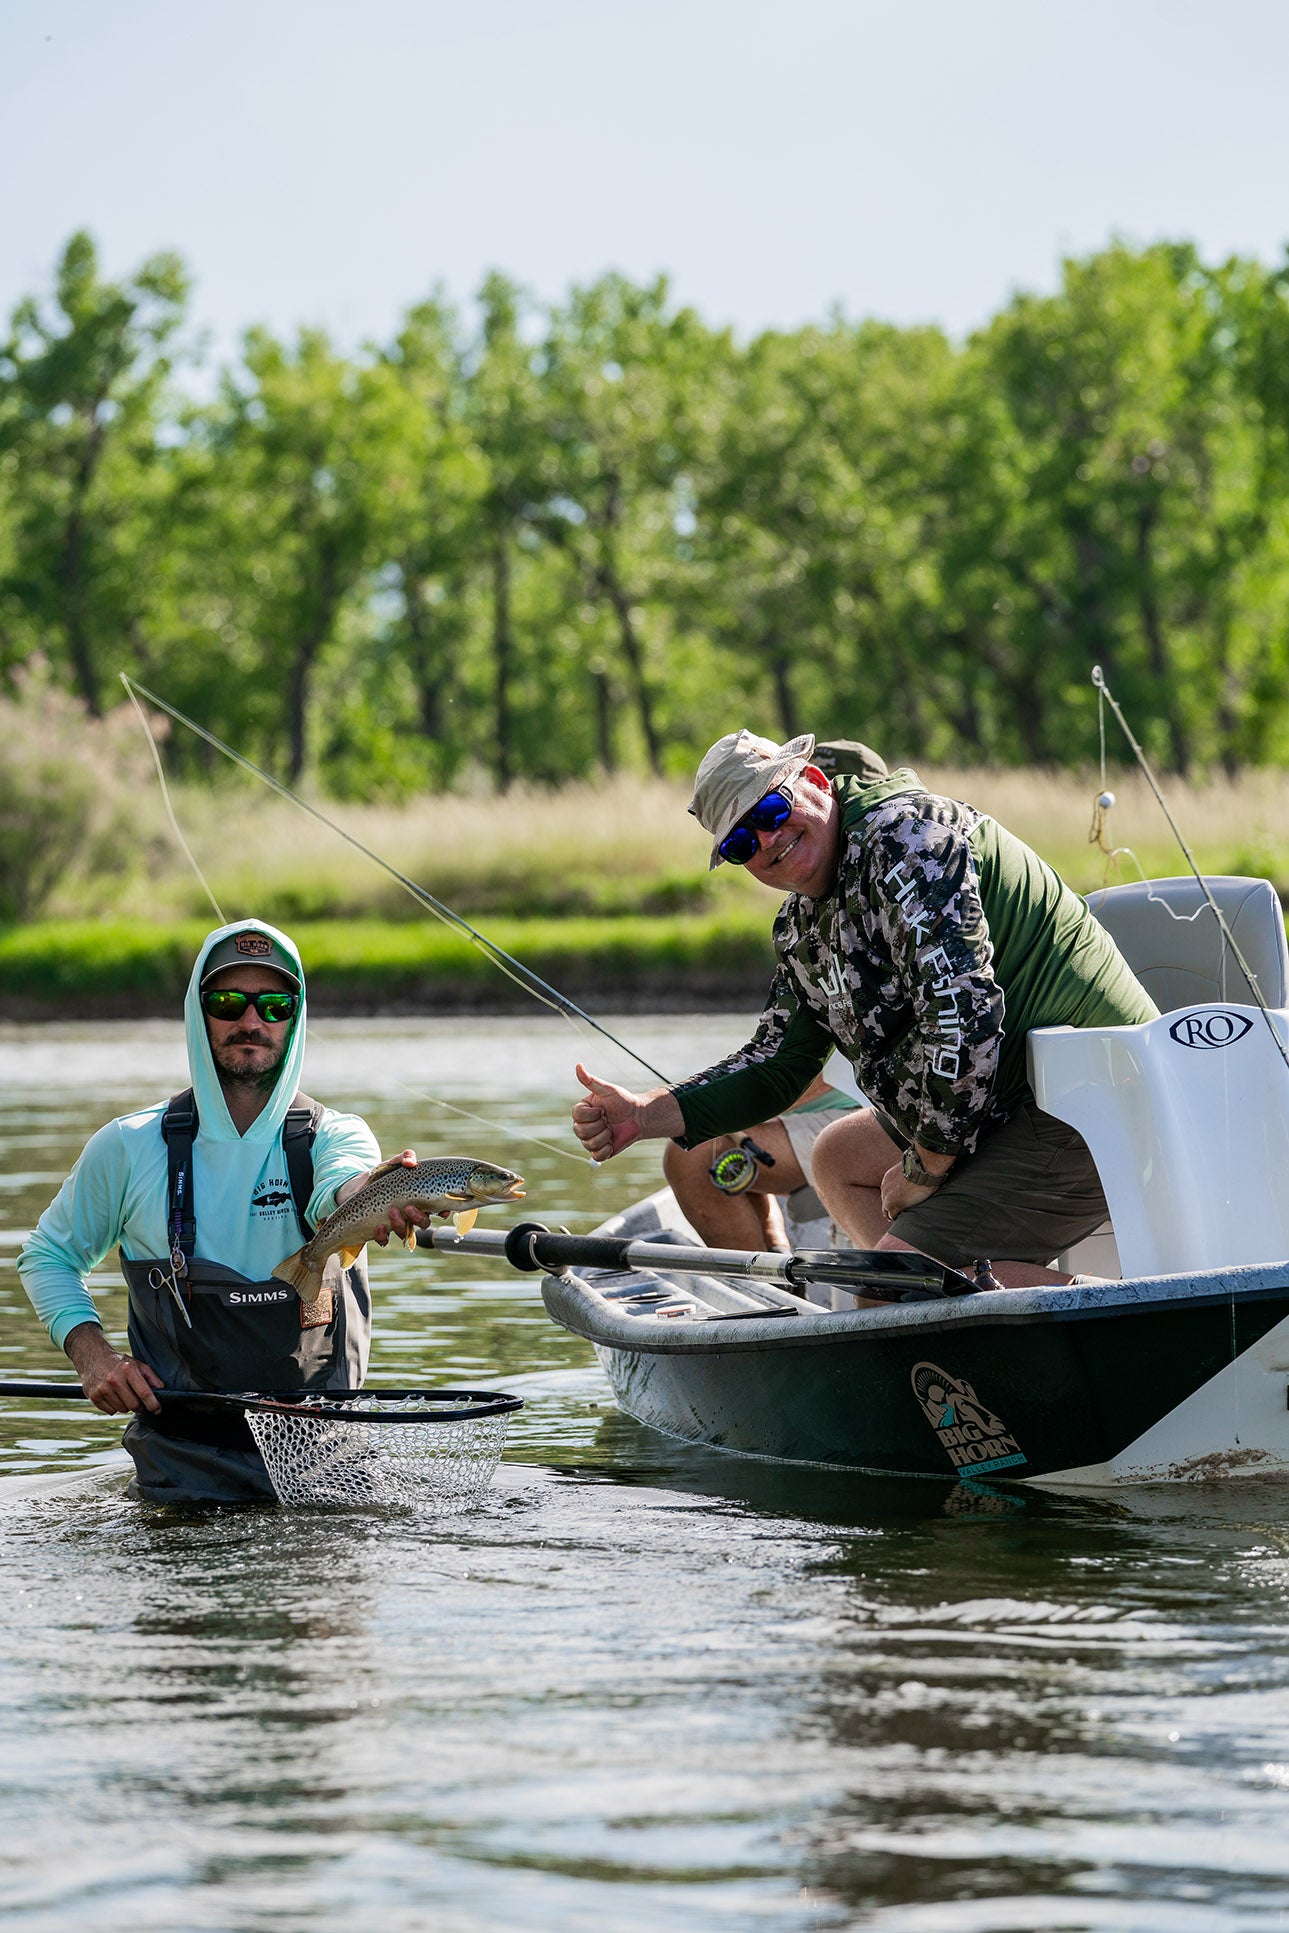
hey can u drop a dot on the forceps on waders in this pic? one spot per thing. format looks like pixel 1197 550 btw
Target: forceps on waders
pixel 159 1278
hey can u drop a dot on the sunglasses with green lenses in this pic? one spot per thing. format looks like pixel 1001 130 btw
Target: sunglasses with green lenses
pixel 230 1003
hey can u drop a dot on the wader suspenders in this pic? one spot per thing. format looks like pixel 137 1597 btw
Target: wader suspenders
pixel 298 1130
pixel 179 1126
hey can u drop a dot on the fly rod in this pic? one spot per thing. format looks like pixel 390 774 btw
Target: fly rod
pixel 513 969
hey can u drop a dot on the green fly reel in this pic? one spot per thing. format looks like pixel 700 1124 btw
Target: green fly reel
pixel 734 1171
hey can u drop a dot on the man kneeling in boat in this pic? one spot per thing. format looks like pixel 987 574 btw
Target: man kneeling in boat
pixel 234 1168
pixel 924 941
pixel 734 1191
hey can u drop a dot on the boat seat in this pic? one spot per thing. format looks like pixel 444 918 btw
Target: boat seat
pixel 1167 932
pixel 1187 1118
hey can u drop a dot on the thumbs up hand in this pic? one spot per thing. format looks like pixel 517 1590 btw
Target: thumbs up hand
pixel 609 1119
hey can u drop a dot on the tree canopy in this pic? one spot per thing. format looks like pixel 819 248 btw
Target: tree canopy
pixel 528 541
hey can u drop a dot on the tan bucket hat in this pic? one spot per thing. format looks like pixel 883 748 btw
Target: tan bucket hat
pixel 738 770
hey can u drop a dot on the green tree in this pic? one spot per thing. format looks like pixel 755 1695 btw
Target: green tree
pixel 811 529
pixel 627 384
pixel 82 387
pixel 1106 497
pixel 306 456
pixel 436 535
pixel 505 415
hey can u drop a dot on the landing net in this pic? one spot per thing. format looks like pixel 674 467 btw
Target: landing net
pixel 434 1451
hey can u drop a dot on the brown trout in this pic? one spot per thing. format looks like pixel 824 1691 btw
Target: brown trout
pixel 455 1183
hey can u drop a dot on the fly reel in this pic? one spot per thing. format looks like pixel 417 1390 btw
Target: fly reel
pixel 734 1171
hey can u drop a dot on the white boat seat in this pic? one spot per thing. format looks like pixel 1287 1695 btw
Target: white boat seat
pixel 1187 1118
pixel 1169 936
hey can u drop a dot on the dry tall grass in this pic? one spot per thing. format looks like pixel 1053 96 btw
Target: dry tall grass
pixel 1231 826
pixel 618 847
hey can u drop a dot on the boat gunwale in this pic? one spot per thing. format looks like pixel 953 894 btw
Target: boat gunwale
pixel 575 1294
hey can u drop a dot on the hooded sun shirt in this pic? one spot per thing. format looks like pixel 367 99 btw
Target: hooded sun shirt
pixel 116 1193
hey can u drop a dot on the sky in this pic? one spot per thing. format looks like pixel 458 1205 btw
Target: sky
pixel 329 162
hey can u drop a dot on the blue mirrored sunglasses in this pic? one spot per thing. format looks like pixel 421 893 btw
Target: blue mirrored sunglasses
pixel 741 843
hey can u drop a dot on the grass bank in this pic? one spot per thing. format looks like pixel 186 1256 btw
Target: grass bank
pixel 623 848
pixel 602 890
pixel 83 969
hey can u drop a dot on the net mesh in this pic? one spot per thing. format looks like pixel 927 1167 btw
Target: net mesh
pixel 382 1451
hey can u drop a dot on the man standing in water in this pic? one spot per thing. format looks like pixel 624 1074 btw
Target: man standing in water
pixel 232 1169
pixel 924 941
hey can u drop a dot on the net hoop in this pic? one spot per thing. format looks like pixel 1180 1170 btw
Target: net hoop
pixel 376 1405
pixel 424 1449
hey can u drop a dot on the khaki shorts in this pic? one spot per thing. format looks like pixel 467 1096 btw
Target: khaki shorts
pixel 1030 1191
pixel 803 1128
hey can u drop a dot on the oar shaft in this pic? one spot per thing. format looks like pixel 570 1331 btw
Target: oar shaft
pixel 530 1247
pixel 548 1250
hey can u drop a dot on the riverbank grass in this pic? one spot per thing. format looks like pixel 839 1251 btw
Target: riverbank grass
pixel 621 848
pixel 95 969
pixel 602 890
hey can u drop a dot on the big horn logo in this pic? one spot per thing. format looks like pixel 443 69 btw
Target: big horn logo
pixel 973 1438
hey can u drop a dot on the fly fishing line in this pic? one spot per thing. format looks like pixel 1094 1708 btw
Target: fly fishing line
pixel 1228 937
pixel 165 796
pixel 505 962
pixel 500 1127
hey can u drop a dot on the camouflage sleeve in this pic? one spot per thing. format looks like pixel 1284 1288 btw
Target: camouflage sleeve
pixel 761 1079
pixel 928 911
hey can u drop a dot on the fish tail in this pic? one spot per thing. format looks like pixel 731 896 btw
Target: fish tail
pixel 306 1281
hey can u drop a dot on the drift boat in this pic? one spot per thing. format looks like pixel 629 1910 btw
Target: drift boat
pixel 1174 1368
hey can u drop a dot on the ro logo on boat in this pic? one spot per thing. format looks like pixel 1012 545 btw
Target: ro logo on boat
pixel 1210 1027
pixel 972 1436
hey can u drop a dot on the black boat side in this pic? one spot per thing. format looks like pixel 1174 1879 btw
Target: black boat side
pixel 1147 1380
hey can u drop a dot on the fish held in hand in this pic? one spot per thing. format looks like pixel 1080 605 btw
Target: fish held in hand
pixel 455 1185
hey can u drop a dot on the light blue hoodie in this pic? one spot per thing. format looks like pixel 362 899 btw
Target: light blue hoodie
pixel 116 1193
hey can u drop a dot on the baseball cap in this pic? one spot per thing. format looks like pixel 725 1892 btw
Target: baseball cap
pixel 251 948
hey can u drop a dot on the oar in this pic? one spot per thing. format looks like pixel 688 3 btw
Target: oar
pixel 891 1276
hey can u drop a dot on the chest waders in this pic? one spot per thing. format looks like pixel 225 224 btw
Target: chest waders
pixel 244 1335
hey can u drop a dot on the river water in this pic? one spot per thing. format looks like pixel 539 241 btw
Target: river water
pixel 644 1686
